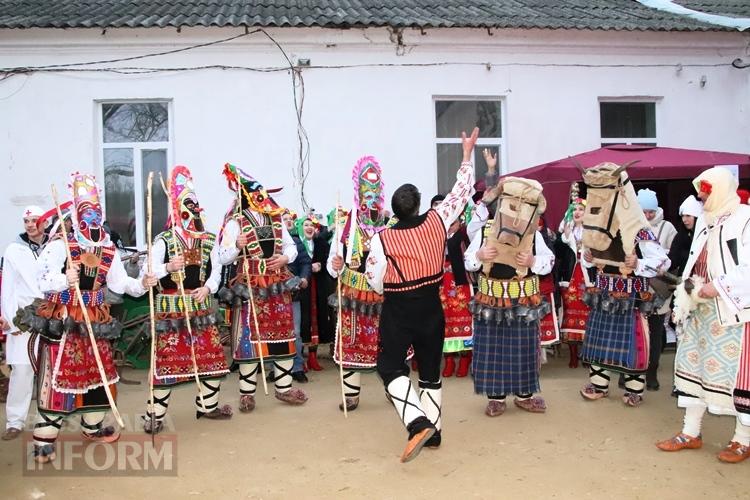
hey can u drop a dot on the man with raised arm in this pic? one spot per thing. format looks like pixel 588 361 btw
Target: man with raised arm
pixel 406 264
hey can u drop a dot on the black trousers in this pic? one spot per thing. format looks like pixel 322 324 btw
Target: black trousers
pixel 409 319
pixel 656 341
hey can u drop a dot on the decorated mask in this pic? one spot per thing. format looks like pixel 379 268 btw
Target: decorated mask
pixel 520 204
pixel 611 208
pixel 87 213
pixel 185 212
pixel 254 196
pixel 369 199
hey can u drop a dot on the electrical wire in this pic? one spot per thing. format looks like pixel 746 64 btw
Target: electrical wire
pixel 303 141
pixel 302 170
pixel 145 56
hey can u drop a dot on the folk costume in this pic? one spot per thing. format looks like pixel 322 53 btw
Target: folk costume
pixel 259 217
pixel 679 252
pixel 549 328
pixel 508 304
pixel 313 318
pixel 406 264
pixel 68 380
pixel 20 289
pixel 665 234
pixel 301 267
pixel 712 364
pixel 616 337
pixel 455 295
pixel 174 358
pixel 325 285
pixel 573 279
pixel 360 304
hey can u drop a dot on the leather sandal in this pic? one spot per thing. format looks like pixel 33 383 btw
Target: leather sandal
pixel 734 453
pixel 591 393
pixel 293 396
pixel 220 413
pixel 103 435
pixel 532 405
pixel 632 400
pixel 495 408
pixel 247 403
pixel 158 426
pixel 680 442
pixel 351 404
pixel 44 454
pixel 11 433
pixel 420 432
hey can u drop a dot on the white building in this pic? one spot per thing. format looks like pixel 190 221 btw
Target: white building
pixel 542 82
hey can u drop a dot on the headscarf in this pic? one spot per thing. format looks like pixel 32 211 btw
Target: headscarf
pixel 691 206
pixel 721 187
pixel 298 223
pixel 568 217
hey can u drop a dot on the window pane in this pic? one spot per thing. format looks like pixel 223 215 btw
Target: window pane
pixel 448 160
pixel 652 144
pixel 155 160
pixel 628 119
pixel 118 190
pixel 480 166
pixel 454 117
pixel 135 122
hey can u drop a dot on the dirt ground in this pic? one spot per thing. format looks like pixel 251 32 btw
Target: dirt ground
pixel 577 449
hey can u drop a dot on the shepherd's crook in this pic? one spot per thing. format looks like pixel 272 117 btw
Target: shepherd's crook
pixel 339 331
pixel 149 265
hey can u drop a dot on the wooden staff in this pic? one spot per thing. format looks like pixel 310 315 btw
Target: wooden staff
pixel 149 267
pixel 251 307
pixel 339 331
pixel 251 301
pixel 86 318
pixel 181 287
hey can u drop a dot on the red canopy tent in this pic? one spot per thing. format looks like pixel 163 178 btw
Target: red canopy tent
pixel 654 164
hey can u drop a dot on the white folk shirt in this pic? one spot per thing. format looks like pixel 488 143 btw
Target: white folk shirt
pixel 228 251
pixel 731 279
pixel 478 219
pixel 159 267
pixel 448 210
pixel 20 288
pixel 654 259
pixel 52 279
pixel 544 259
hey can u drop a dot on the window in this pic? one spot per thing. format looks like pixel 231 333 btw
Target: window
pixel 135 141
pixel 628 122
pixel 456 115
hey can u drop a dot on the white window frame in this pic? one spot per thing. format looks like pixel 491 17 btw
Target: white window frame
pixel 499 142
pixel 611 141
pixel 138 148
